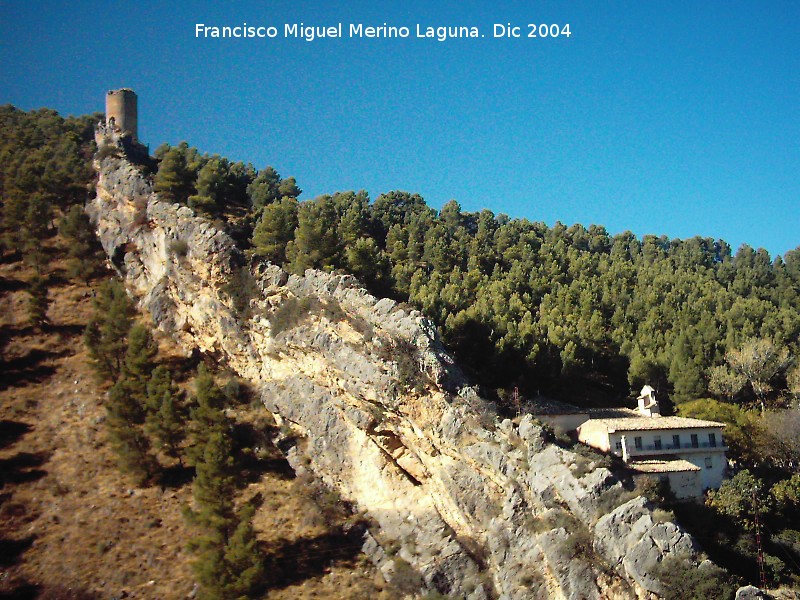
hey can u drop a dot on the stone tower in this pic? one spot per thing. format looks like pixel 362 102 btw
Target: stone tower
pixel 121 106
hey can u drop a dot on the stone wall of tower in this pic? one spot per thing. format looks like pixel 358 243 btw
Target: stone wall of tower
pixel 121 105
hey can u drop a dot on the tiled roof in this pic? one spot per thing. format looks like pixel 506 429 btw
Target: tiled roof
pixel 653 423
pixel 662 466
pixel 614 412
pixel 548 406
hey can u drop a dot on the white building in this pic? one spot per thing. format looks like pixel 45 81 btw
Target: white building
pixel 690 453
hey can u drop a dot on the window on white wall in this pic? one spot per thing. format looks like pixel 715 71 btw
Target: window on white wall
pixel 709 462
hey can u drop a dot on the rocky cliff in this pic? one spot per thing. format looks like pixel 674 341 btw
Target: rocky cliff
pixel 459 502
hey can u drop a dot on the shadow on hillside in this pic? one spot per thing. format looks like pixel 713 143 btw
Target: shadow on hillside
pixel 292 562
pixel 28 369
pixel 253 468
pixel 29 591
pixel 11 550
pixel 66 330
pixel 11 285
pixel 57 278
pixel 22 468
pixel 182 367
pixel 8 332
pixel 10 257
pixel 23 591
pixel 267 459
pixel 176 476
pixel 12 431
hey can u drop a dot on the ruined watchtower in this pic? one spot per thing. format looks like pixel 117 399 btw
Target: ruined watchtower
pixel 121 106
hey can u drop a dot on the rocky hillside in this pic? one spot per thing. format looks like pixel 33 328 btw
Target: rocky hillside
pixel 371 403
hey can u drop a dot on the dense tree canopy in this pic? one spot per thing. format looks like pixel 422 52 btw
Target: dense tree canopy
pixel 44 164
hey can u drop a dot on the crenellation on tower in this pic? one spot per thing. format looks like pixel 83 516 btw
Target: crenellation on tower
pixel 122 111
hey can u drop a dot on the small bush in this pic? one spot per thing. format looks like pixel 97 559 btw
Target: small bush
pixel 391 547
pixel 411 376
pixel 533 578
pixel 557 518
pixel 579 542
pixel 435 596
pixel 104 546
pixel 179 248
pixel 363 327
pixel 106 151
pixel 333 311
pixel 202 204
pixel 663 516
pixel 583 466
pixel 776 569
pixel 474 549
pixel 599 459
pixel 241 288
pixel 653 488
pixel 236 390
pixel 139 210
pixel 406 578
pixel 289 314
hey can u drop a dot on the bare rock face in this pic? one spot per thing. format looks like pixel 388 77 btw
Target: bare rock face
pixel 461 504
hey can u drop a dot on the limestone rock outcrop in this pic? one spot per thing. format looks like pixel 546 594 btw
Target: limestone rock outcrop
pixel 460 502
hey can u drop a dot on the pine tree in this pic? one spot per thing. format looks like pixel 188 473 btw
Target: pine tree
pixel 315 243
pixel 174 180
pixel 164 421
pixel 107 330
pixel 38 216
pixel 79 236
pixel 125 405
pixel 275 229
pixel 354 216
pixel 239 177
pixel 138 365
pixel 209 564
pixel 288 188
pixel 211 184
pixel 38 301
pixel 207 417
pixel 264 189
pixel 244 563
pixel 159 384
pixel 128 439
pixel 214 512
pixel 228 563
pixel 15 205
pixel 793 381
pixel 214 484
pixel 366 261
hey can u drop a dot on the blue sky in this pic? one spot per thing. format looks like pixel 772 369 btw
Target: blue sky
pixel 663 117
